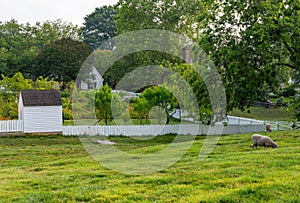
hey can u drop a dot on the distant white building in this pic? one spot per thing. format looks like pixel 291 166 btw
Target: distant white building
pixel 95 83
pixel 40 111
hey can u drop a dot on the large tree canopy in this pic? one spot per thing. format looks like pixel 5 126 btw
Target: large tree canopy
pixel 251 41
pixel 20 44
pixel 62 59
pixel 174 15
pixel 177 16
pixel 99 26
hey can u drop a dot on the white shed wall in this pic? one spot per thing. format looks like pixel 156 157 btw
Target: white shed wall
pixel 42 119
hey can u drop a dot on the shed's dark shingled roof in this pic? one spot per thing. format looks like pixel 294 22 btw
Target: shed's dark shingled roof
pixel 41 98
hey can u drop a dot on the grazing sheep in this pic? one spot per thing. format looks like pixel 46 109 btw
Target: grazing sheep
pixel 260 140
pixel 268 127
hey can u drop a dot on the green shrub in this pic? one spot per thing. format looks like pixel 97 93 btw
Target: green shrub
pixel 289 91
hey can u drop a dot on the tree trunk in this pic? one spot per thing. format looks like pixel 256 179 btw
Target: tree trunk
pixel 168 119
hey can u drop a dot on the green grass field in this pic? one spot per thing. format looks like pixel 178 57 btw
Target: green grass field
pixel 267 114
pixel 58 169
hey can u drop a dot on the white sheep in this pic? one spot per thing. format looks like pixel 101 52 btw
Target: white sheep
pixel 260 140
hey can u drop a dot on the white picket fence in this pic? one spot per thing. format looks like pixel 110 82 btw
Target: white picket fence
pixel 233 120
pixel 283 125
pixel 154 130
pixel 11 126
pixel 16 126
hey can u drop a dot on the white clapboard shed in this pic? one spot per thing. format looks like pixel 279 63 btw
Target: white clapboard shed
pixel 40 111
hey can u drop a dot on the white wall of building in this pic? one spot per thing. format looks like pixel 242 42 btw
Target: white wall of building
pixel 42 119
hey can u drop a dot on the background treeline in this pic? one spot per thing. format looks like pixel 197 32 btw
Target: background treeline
pixel 20 44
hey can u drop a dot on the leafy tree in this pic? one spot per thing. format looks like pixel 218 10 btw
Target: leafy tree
pixel 178 16
pixel 9 106
pixel 128 63
pixel 15 83
pixel 62 59
pixel 250 42
pixel 159 96
pixel 42 83
pixel 124 66
pixel 103 99
pixel 99 26
pixel 15 43
pixel 141 106
pixel 66 108
pixel 198 90
pixel 49 31
pixel 289 91
pixel 157 113
pixel 295 76
pixel 295 106
pixel 120 108
pixel 21 43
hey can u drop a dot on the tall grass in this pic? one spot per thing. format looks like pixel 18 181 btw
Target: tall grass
pixel 58 169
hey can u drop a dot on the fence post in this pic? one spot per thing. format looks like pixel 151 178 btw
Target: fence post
pixel 277 125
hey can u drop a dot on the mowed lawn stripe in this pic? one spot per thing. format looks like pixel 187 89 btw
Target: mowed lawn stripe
pixel 58 169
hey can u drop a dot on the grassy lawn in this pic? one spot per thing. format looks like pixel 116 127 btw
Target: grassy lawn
pixel 58 169
pixel 262 113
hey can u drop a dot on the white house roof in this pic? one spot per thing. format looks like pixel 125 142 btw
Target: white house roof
pixel 41 98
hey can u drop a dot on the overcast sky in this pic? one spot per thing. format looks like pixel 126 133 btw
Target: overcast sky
pixel 41 10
